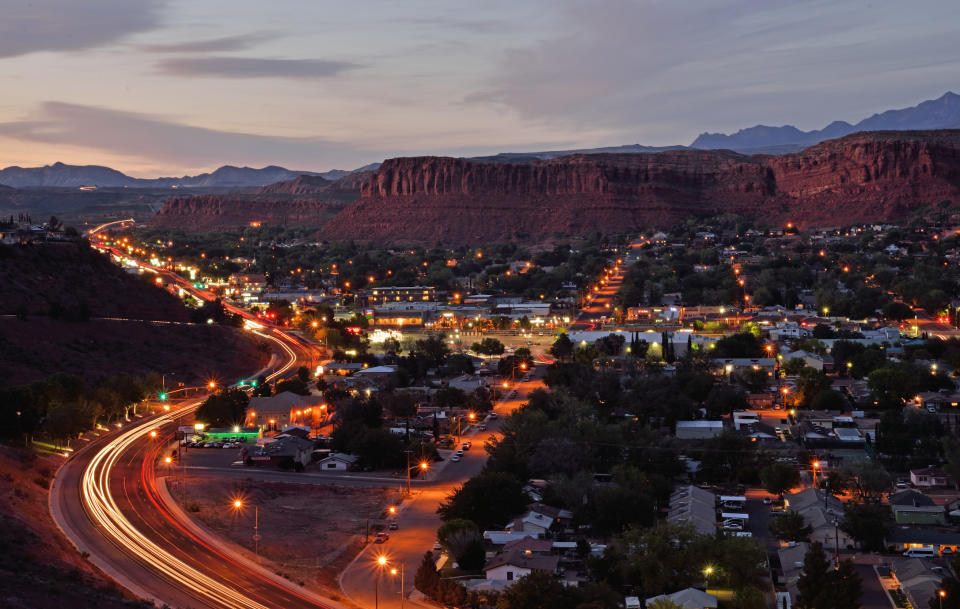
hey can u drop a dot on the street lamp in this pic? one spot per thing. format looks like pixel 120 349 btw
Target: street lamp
pixel 238 505
pixel 381 562
pixel 941 594
pixel 815 464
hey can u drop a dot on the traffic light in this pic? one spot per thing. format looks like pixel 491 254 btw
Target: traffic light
pixel 254 384
pixel 162 396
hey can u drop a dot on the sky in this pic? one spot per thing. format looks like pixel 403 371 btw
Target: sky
pixel 171 87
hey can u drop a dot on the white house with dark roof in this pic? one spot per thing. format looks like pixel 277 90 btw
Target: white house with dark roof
pixel 511 566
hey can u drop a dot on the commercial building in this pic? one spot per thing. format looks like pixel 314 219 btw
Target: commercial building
pixel 381 296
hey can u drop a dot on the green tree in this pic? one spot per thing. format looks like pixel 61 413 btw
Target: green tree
pixel 778 478
pixel 869 480
pixel 866 524
pixel 790 526
pixel 562 348
pixel 897 310
pixel 539 590
pixel 489 500
pixel 226 408
pixel 821 587
pixel 488 346
pixel 427 578
pixel 951 595
pixel 434 348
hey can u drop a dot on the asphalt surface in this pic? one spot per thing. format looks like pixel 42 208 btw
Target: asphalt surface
pixel 873 596
pixel 106 500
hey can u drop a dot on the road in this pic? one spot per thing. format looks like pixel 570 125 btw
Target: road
pixel 418 519
pixel 106 501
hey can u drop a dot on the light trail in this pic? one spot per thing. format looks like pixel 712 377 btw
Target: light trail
pixel 104 511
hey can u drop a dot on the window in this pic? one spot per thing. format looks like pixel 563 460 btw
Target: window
pixel 331 465
pixel 509 576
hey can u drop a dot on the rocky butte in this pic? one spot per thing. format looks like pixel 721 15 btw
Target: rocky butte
pixel 873 176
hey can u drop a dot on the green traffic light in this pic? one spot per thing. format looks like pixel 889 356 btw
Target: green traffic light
pixel 253 383
pixel 162 396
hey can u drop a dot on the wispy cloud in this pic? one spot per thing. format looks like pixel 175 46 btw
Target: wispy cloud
pixel 213 45
pixel 173 143
pixel 71 25
pixel 254 67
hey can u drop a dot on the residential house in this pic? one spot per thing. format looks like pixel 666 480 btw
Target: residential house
pixel 339 462
pixel 533 523
pixel 695 506
pixel 377 375
pixel 284 450
pixel 903 538
pixel 511 566
pixel 791 566
pixel 698 430
pixel 502 538
pixel 912 507
pixel 928 477
pixel 918 581
pixel 689 598
pixel 822 512
pixel 529 545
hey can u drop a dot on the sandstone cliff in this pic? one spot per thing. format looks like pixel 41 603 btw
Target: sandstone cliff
pixel 219 212
pixel 876 176
pixel 863 177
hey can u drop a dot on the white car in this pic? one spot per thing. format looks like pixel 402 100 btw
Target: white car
pixel 455 459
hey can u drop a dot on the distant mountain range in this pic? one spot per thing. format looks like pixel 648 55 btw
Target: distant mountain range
pixel 228 176
pixel 940 113
pixel 526 157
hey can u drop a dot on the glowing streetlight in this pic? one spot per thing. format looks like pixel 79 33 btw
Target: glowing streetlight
pixel 212 384
pixel 238 505
pixel 153 433
pixel 381 563
pixel 168 460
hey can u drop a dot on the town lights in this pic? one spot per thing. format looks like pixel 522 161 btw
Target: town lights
pixel 423 466
pixel 153 433
pixel 168 460
pixel 212 384
pixel 392 509
pixel 237 503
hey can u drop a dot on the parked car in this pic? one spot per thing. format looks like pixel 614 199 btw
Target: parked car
pixel 460 452
pixel 436 546
pixel 455 459
pixel 393 526
pixel 381 537
pixel 493 415
pixel 766 501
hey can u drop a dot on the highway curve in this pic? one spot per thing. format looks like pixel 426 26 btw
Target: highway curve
pixel 106 501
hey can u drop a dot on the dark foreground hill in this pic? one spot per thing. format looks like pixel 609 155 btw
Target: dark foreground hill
pixel 67 308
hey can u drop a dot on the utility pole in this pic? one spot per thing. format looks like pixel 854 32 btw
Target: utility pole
pixel 408 471
pixel 836 547
pixel 256 531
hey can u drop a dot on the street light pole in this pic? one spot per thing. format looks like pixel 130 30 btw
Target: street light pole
pixel 408 471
